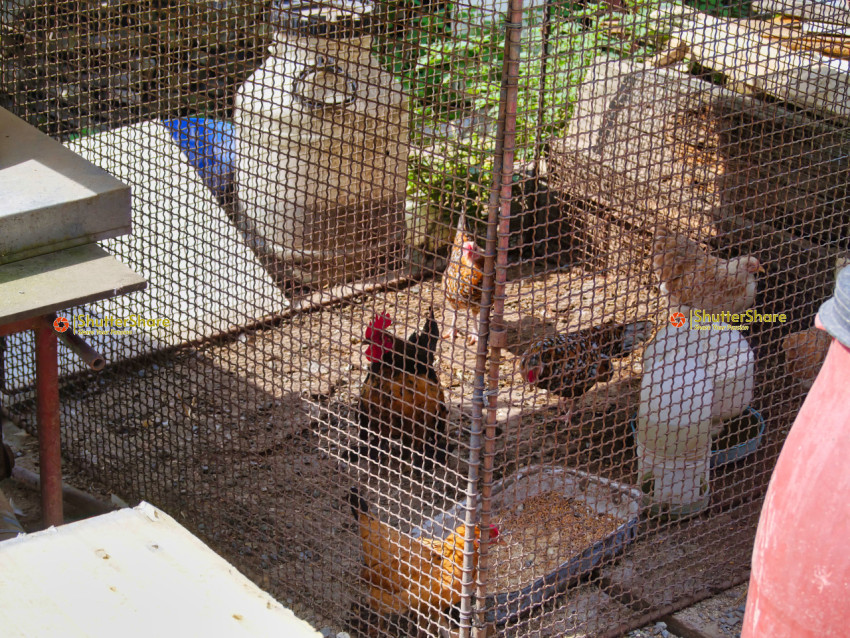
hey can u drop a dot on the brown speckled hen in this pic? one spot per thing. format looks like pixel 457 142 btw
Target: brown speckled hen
pixel 402 398
pixel 569 364
pixel 462 282
pixel 694 278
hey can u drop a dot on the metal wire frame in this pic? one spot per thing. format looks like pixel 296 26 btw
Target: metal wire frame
pixel 230 512
pixel 490 325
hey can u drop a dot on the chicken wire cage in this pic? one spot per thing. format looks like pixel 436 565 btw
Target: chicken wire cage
pixel 481 317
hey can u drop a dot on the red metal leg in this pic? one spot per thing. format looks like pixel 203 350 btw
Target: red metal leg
pixel 49 451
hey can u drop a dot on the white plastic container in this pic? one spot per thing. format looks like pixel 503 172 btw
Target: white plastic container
pixel 673 434
pixel 722 352
pixel 676 399
pixel 320 151
pixel 730 362
pixel 678 487
pixel 694 378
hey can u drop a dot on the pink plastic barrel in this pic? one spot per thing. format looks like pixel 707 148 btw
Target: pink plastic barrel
pixel 800 580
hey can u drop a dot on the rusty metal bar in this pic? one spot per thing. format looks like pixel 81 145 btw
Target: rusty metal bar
pixel 500 201
pixel 47 409
pixel 18 326
pixel 49 453
pixel 497 326
pixel 78 499
pixel 82 349
pixel 88 354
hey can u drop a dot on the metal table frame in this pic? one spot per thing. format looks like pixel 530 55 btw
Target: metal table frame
pixel 47 391
pixel 31 291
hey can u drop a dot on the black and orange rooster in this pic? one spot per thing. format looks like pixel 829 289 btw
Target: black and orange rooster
pixel 462 281
pixel 406 574
pixel 402 398
pixel 569 364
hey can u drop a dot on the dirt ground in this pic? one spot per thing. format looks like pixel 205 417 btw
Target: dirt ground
pixel 244 439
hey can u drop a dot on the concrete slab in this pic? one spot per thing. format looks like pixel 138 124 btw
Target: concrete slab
pixel 201 276
pixel 52 198
pixel 125 573
pixel 41 285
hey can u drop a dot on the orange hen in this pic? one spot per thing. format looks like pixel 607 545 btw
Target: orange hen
pixel 805 352
pixel 410 574
pixel 462 282
pixel 694 278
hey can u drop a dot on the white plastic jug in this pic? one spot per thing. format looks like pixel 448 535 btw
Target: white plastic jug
pixel 724 355
pixel 320 152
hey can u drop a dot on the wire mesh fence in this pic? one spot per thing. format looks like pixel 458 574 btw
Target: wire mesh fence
pixel 461 317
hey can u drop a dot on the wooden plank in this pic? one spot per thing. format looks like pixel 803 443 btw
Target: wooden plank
pixel 686 629
pixel 131 573
pixel 792 26
pixel 795 37
pixel 739 52
pixel 716 617
pixel 837 12
pixel 833 47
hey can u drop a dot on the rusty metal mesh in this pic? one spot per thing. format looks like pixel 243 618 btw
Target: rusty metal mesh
pixel 299 174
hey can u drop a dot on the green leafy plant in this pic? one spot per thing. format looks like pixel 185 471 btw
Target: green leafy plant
pixel 449 60
pixel 723 8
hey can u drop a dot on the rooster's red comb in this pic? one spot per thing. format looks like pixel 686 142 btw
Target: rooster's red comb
pixel 381 322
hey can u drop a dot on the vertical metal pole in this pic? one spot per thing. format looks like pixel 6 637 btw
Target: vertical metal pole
pixel 545 31
pixel 491 339
pixel 49 454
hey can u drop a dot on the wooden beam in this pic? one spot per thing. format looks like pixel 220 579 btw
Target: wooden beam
pixel 837 12
pixel 686 629
pixel 739 52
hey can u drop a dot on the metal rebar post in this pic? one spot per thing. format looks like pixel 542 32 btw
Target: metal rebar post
pixel 49 454
pixel 498 231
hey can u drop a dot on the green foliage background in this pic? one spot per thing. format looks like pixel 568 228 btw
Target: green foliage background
pixel 449 61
